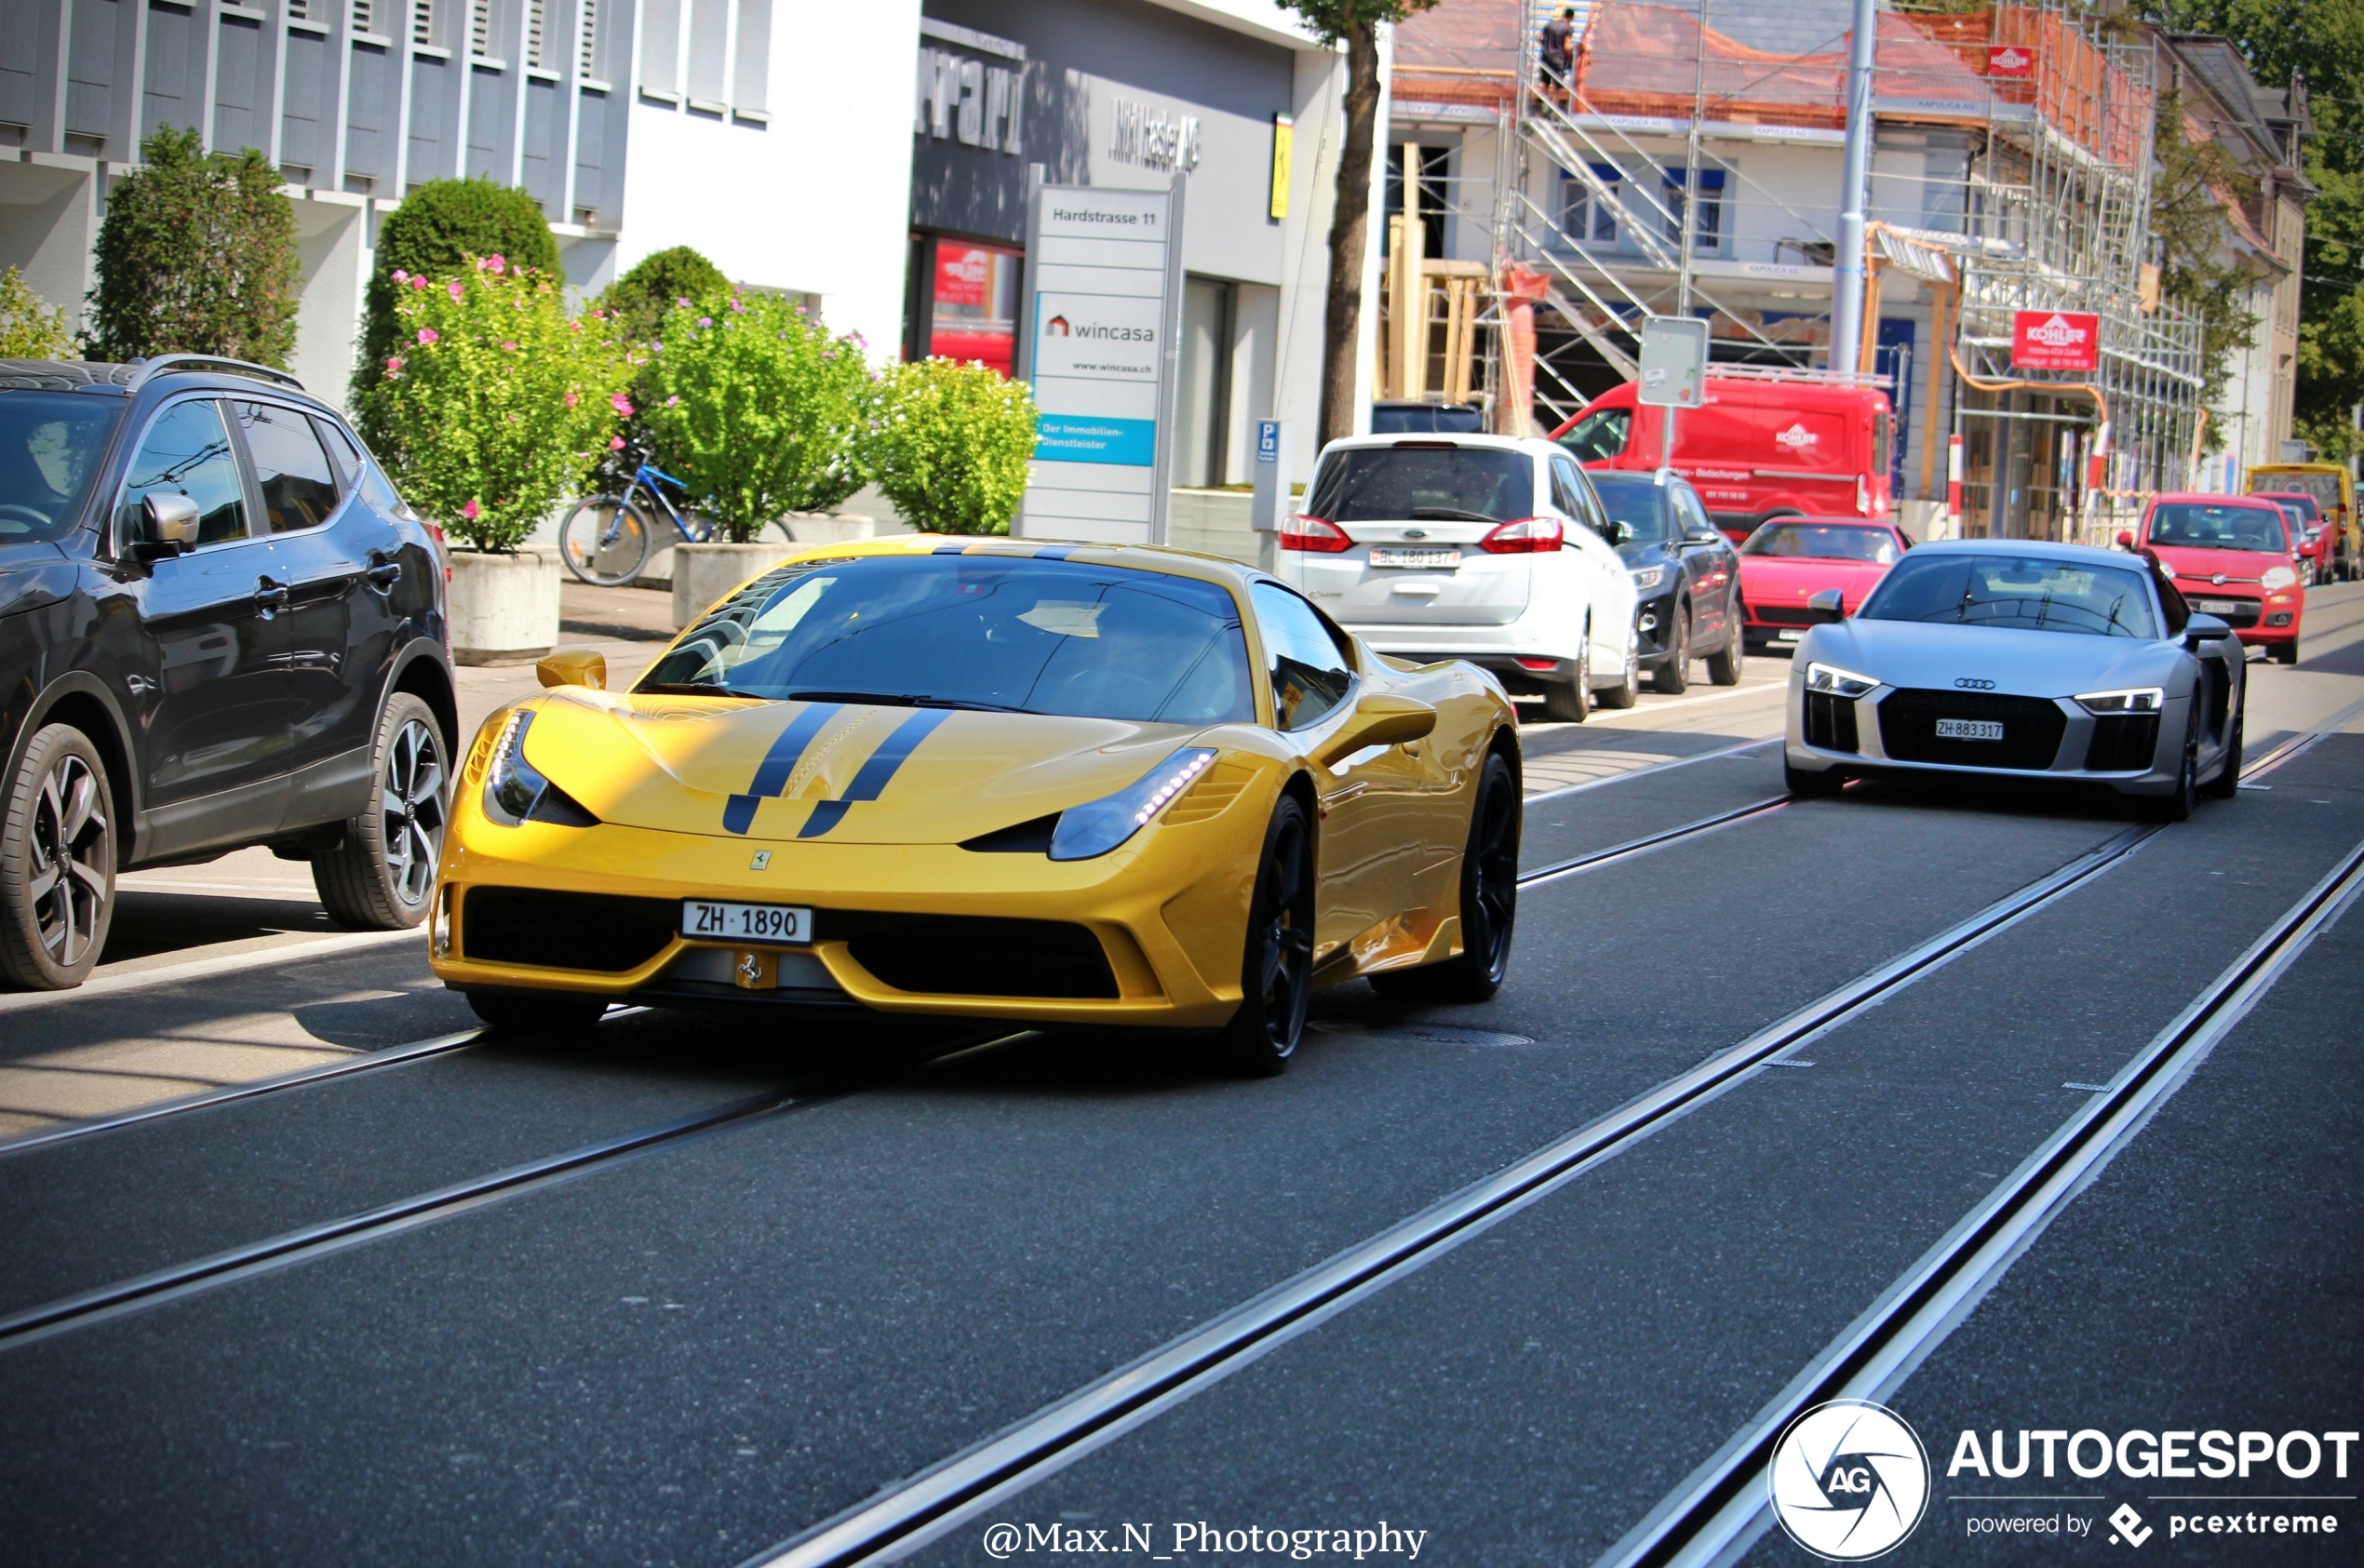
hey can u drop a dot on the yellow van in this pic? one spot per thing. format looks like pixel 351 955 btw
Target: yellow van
pixel 2334 494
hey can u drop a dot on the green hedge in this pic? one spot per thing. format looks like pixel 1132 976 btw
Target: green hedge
pixel 435 233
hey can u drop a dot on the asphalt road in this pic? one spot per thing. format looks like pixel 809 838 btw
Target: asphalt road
pixel 908 1241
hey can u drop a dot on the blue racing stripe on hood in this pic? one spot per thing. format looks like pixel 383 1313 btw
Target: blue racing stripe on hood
pixel 883 763
pixel 772 773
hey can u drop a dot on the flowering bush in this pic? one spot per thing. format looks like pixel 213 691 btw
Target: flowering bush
pixel 494 405
pixel 756 407
pixel 949 446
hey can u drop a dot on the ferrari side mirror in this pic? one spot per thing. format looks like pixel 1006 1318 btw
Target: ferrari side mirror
pixel 573 666
pixel 1379 719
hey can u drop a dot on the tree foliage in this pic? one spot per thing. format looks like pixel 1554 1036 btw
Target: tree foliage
pixel 643 297
pixel 1358 23
pixel 437 233
pixel 495 403
pixel 196 255
pixel 30 328
pixel 951 444
pixel 2193 181
pixel 758 410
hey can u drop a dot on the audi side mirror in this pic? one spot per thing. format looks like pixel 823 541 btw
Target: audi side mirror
pixel 1826 607
pixel 2204 628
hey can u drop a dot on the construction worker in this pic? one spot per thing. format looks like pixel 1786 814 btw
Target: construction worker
pixel 1559 50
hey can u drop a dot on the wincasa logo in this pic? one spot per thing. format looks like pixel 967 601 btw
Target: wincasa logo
pixel 1060 327
pixel 1056 327
pixel 2056 333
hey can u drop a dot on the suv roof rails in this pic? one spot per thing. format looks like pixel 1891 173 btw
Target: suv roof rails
pixel 147 368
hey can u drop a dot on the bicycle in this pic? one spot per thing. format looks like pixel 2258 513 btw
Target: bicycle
pixel 610 550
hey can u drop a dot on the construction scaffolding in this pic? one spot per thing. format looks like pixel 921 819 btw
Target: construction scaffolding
pixel 1681 169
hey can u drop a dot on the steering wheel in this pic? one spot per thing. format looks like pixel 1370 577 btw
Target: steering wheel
pixel 38 519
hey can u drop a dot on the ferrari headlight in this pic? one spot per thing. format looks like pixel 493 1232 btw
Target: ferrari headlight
pixel 1097 826
pixel 2166 569
pixel 2140 699
pixel 511 785
pixel 1838 682
pixel 2279 577
pixel 1647 577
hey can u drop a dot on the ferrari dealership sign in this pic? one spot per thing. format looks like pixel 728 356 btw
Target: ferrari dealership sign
pixel 2055 340
pixel 1104 283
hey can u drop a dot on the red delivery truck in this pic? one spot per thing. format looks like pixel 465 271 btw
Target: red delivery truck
pixel 1764 444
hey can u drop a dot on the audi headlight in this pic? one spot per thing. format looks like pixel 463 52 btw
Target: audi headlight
pixel 512 786
pixel 1097 826
pixel 2140 699
pixel 2279 577
pixel 1838 682
pixel 1647 577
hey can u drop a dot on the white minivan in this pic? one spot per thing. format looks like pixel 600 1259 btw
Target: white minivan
pixel 1489 548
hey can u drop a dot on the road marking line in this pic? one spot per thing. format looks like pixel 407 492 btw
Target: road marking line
pixel 199 968
pixel 1654 768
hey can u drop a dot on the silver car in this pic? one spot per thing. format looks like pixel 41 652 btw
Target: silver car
pixel 2020 659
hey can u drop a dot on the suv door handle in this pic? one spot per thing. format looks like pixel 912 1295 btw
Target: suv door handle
pixel 270 597
pixel 383 573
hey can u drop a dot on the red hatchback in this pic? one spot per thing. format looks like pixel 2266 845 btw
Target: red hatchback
pixel 1788 561
pixel 2232 557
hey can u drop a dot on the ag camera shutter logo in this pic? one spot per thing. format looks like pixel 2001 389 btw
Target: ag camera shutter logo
pixel 1849 1481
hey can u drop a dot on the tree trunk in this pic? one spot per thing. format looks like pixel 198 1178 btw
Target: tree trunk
pixel 1350 227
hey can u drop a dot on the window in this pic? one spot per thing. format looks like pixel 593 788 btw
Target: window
pixel 299 490
pixel 186 452
pixel 1585 216
pixel 1824 542
pixel 2022 592
pixel 1707 225
pixel 1599 434
pixel 973 303
pixel 342 452
pixel 1309 668
pixel 50 444
pixel 1567 490
pixel 1423 483
pixel 1641 504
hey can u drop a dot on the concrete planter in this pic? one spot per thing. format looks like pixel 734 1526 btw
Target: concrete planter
pixel 505 608
pixel 703 573
pixel 821 528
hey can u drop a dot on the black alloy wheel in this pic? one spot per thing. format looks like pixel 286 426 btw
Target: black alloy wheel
pixel 1276 976
pixel 1725 664
pixel 380 874
pixel 2285 653
pixel 57 862
pixel 2179 805
pixel 1673 678
pixel 1490 902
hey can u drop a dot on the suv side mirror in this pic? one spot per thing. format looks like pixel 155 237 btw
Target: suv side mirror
pixel 1702 533
pixel 1826 607
pixel 168 527
pixel 1615 534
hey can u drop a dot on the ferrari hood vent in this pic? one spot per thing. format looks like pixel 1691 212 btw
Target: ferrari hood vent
pixel 835 772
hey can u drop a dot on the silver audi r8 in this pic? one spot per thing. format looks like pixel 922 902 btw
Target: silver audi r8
pixel 2021 659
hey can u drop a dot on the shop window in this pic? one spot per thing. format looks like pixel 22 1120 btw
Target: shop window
pixel 973 304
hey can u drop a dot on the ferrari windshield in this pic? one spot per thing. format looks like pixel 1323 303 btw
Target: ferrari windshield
pixel 2206 527
pixel 1001 632
pixel 2026 593
pixel 1824 542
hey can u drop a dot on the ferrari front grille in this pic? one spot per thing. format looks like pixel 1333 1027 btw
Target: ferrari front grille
pixel 596 931
pixel 2123 742
pixel 1781 615
pixel 1830 722
pixel 979 954
pixel 2032 729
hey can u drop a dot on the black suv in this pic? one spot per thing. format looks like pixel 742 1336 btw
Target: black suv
pixel 1687 579
pixel 219 627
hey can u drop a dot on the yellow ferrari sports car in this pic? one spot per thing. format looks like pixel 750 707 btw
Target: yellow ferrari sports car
pixel 1055 783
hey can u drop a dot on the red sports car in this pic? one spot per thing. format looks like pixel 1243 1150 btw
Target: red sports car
pixel 1787 560
pixel 2232 557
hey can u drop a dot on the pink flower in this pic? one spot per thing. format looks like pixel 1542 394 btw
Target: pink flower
pixel 734 304
pixel 470 509
pixel 401 276
pixel 418 282
pixel 394 366
pixel 705 321
pixel 673 402
pixel 572 398
pixel 511 347
pixel 454 288
pixel 682 301
pixel 497 262
pixel 429 335
pixel 615 443
pixel 621 404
